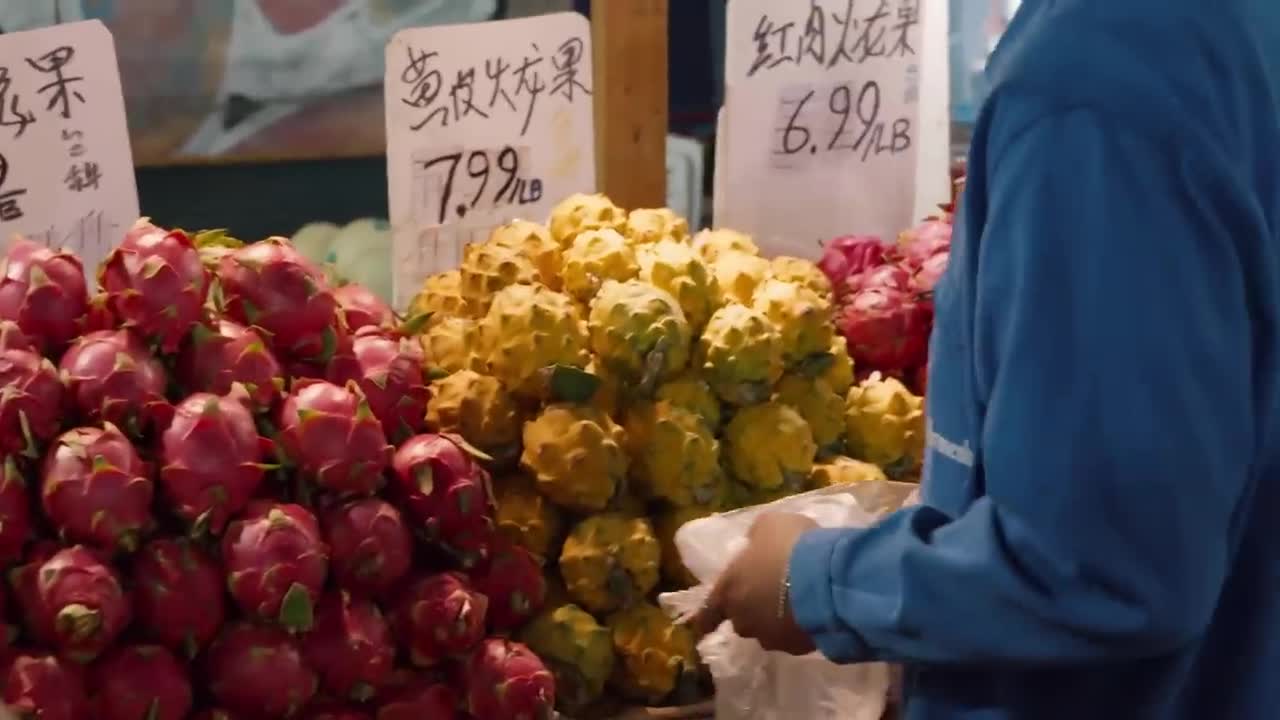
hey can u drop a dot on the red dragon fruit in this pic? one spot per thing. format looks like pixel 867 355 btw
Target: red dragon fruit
pixel 140 681
pixel 885 329
pixel 389 370
pixel 112 377
pixel 271 286
pixel 921 378
pixel 215 358
pixel 44 291
pixel 276 562
pixel 178 594
pixel 47 688
pixel 258 671
pixel 74 602
pixel 444 488
pixel 438 617
pixel 336 711
pixel 212 460
pixel 892 277
pixel 99 315
pixel 96 490
pixel 370 546
pixel 512 580
pixel 421 698
pixel 31 406
pixel 925 240
pixel 351 646
pixel 155 283
pixel 15 513
pixel 332 436
pixel 852 254
pixel 12 337
pixel 214 714
pixel 931 270
pixel 361 308
pixel 506 680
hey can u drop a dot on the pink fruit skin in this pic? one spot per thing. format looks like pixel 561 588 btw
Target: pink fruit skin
pixel 271 286
pixel 258 672
pixel 214 714
pixel 44 291
pixel 331 435
pixel 271 550
pixel 438 617
pixel 78 604
pixel 156 284
pixel 215 358
pixel 506 680
pixel 388 370
pixel 370 546
pixel 891 277
pixel 130 681
pixel 112 377
pixel 45 687
pixel 15 514
pixel 12 337
pixel 212 460
pixel 926 278
pixel 885 329
pixel 351 646
pixel 421 700
pixel 361 308
pixel 443 487
pixel 925 240
pixel 99 315
pixel 512 580
pixel 335 711
pixel 178 594
pixel 850 255
pixel 32 404
pixel 96 489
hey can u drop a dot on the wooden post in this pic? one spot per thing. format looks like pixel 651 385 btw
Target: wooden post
pixel 630 40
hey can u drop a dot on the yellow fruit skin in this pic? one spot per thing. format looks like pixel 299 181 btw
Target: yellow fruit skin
pixel 770 446
pixel 533 241
pixel 884 422
pixel 448 345
pixel 441 295
pixel 610 561
pixel 737 276
pixel 578 651
pixel 692 392
pixel 710 244
pixel 666 525
pixel 651 225
pixel 596 256
pixel 488 267
pixel 740 354
pixel 525 517
pixel 820 407
pixel 801 316
pixel 580 213
pixel 576 454
pixel 840 374
pixel 843 471
pixel 674 456
pixel 631 320
pixel 655 655
pixel 478 408
pixel 528 328
pixel 801 272
pixel 608 398
pixel 675 267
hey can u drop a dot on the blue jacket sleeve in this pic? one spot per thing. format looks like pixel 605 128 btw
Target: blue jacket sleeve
pixel 1112 371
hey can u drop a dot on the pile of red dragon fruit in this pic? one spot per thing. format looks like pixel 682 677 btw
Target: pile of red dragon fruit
pixel 218 500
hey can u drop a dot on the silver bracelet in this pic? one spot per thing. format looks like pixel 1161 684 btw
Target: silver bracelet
pixel 784 592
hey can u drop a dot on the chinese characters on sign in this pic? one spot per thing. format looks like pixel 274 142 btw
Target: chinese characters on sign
pixel 485 123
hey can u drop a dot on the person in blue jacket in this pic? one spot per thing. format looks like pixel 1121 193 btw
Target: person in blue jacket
pixel 1100 531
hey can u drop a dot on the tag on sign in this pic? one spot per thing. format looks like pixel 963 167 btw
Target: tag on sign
pixel 822 120
pixel 66 170
pixel 486 123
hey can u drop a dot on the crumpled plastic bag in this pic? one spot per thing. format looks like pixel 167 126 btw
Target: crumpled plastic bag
pixel 752 683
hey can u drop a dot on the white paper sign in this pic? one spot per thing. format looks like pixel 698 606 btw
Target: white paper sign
pixel 66 169
pixel 486 123
pixel 822 119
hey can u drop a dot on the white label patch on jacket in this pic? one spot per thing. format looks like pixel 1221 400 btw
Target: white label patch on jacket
pixel 959 452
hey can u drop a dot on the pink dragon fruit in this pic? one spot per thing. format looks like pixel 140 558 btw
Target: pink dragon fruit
pixel 271 286
pixel 439 617
pixel 361 308
pixel 921 378
pixel 421 698
pixel 99 315
pixel 214 714
pixel 332 436
pixel 215 358
pixel 389 370
pixel 111 377
pixel 31 406
pixel 47 688
pixel 512 580
pixel 506 680
pixel 155 283
pixel 892 277
pixel 178 595
pixel 73 601
pixel 370 546
pixel 885 329
pixel 140 681
pixel 930 272
pixel 925 240
pixel 445 489
pixel 212 460
pixel 276 563
pixel 351 646
pixel 852 254
pixel 15 514
pixel 12 337
pixel 257 671
pixel 96 489
pixel 336 711
pixel 44 292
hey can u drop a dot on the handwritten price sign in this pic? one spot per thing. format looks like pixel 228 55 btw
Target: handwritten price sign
pixel 486 123
pixel 820 120
pixel 66 171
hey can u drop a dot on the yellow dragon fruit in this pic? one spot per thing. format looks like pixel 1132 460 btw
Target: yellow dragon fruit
pixel 534 242
pixel 441 295
pixel 639 332
pixel 692 392
pixel 675 267
pixel 801 272
pixel 650 225
pixel 770 446
pixel 529 328
pixel 610 561
pixel 656 657
pixel 710 244
pixel 596 256
pixel 479 409
pixel 577 650
pixel 674 456
pixel 839 374
pixel 576 454
pixel 843 470
pixel 580 213
pixel 448 345
pixel 489 267
pixel 820 407
pixel 608 396
pixel 740 354
pixel 668 522
pixel 801 316
pixel 737 276
pixel 885 424
pixel 525 516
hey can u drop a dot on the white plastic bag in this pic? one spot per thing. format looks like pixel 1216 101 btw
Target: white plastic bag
pixel 752 683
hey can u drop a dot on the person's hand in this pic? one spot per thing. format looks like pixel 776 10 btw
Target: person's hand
pixel 750 592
